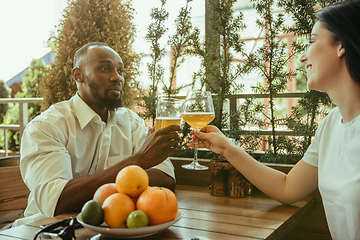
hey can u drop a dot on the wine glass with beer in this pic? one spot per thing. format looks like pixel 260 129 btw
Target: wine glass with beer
pixel 168 112
pixel 198 111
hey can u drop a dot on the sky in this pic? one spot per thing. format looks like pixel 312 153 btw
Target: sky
pixel 26 25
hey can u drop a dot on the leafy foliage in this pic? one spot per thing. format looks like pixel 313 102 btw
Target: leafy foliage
pixel 156 30
pixel 305 116
pixel 180 43
pixel 31 85
pixel 303 12
pixel 303 120
pixel 85 21
pixel 270 61
pixel 4 93
pixel 30 89
pixel 218 71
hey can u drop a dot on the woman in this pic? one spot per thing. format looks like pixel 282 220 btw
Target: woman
pixel 332 161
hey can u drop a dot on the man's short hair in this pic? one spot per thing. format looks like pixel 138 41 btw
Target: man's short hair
pixel 83 50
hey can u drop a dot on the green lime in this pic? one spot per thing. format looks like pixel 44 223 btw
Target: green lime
pixel 92 213
pixel 137 219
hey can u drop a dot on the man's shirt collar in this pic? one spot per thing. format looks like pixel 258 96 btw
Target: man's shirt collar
pixel 82 111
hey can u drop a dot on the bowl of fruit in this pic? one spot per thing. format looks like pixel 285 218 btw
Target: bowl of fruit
pixel 130 208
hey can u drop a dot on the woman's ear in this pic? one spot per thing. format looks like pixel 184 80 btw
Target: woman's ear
pixel 76 74
pixel 341 50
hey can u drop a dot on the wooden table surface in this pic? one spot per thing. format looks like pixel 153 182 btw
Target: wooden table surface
pixel 207 217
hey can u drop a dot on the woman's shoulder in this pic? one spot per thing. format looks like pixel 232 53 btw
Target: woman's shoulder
pixel 334 116
pixel 329 121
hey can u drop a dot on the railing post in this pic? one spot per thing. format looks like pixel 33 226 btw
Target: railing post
pixel 23 118
pixel 6 142
pixel 233 108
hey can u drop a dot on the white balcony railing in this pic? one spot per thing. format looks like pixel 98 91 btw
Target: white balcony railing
pixel 23 117
pixel 23 112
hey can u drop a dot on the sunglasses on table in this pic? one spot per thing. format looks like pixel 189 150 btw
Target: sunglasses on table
pixel 65 229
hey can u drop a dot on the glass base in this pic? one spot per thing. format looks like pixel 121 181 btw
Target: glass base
pixel 195 166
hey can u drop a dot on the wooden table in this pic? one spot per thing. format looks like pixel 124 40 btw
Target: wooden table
pixel 254 217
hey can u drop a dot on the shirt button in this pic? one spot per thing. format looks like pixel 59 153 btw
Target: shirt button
pixel 102 158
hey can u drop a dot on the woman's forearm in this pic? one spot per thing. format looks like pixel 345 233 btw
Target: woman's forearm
pixel 273 183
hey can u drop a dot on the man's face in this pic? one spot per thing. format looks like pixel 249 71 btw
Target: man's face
pixel 102 70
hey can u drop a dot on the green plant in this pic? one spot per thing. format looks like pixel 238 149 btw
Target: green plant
pixel 30 85
pixel 304 120
pixel 12 117
pixel 156 30
pixel 250 115
pixel 180 43
pixel 219 73
pixel 270 61
pixel 30 89
pixel 4 93
pixel 313 106
pixel 85 21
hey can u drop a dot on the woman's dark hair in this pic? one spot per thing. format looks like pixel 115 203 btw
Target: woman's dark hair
pixel 343 20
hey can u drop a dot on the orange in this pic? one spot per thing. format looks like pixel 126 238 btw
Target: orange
pixel 117 208
pixel 104 191
pixel 132 180
pixel 159 204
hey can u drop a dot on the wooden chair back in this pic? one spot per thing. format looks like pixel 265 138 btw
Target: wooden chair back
pixel 10 161
pixel 13 194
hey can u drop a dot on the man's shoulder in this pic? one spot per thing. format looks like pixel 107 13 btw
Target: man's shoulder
pixel 55 113
pixel 126 114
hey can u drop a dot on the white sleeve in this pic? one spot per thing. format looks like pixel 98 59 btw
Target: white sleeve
pixel 311 155
pixel 45 165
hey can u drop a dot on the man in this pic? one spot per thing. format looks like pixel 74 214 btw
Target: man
pixel 78 145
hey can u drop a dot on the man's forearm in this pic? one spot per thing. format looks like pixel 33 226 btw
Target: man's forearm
pixel 161 179
pixel 79 190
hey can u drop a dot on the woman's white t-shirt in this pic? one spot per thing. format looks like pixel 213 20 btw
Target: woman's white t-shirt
pixel 335 150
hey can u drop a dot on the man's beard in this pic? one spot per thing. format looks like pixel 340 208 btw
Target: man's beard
pixel 108 103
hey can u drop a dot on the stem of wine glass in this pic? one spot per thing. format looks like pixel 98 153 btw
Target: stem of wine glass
pixel 195 151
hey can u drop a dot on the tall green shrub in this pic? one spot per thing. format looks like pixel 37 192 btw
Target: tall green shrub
pixel 30 89
pixel 312 107
pixel 270 61
pixel 4 93
pixel 156 30
pixel 30 85
pixel 219 73
pixel 85 21
pixel 180 43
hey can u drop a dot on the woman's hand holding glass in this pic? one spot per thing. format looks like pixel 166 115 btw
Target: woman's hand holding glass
pixel 198 111
pixel 212 138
